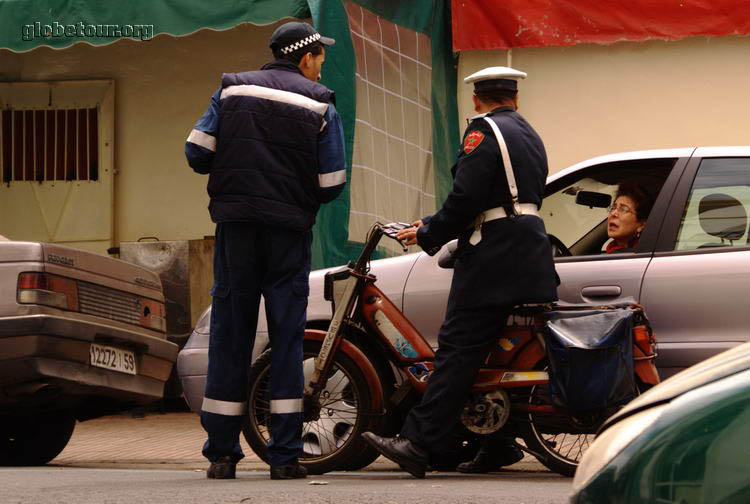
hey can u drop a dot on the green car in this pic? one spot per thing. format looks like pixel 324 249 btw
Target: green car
pixel 685 441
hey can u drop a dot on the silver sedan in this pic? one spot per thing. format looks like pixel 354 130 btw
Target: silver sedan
pixel 690 268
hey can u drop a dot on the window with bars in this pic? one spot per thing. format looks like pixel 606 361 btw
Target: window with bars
pixel 49 145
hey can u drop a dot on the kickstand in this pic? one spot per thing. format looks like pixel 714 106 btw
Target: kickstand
pixel 530 452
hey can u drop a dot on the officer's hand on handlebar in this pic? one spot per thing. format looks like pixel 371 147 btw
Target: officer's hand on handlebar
pixel 409 235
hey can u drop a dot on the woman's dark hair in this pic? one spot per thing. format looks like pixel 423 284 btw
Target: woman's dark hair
pixel 643 198
pixel 295 57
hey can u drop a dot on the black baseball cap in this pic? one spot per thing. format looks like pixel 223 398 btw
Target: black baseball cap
pixel 295 35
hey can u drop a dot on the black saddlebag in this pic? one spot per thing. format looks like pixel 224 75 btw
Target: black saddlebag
pixel 590 355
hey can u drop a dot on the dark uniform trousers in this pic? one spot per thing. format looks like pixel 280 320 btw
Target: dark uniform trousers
pixel 465 340
pixel 511 264
pixel 249 260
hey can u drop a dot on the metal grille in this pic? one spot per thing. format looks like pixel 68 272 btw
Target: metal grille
pixel 109 303
pixel 49 144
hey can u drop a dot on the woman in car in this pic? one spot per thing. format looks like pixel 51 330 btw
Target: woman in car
pixel 627 216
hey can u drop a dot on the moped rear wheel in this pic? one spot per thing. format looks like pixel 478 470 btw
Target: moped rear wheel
pixel 332 440
pixel 561 439
pixel 554 437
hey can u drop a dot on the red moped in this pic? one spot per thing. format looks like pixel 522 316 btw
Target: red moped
pixel 372 365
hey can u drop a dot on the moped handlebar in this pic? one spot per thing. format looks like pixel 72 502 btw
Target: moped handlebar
pixel 373 237
pixel 391 230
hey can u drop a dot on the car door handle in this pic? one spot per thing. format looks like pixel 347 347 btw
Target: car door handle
pixel 599 291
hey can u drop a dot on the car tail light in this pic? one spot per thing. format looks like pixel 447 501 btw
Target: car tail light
pixel 46 289
pixel 153 315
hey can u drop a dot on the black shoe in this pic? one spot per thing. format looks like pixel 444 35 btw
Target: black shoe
pixel 290 471
pixel 491 458
pixel 223 468
pixel 408 455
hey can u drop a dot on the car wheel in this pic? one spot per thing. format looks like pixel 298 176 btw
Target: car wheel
pixel 34 440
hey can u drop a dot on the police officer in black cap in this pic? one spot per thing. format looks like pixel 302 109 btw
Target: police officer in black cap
pixel 503 259
pixel 273 145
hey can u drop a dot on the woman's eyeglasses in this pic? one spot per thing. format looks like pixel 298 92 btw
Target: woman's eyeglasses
pixel 620 209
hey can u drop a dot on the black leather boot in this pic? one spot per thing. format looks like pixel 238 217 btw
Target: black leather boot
pixel 411 457
pixel 222 468
pixel 492 455
pixel 289 471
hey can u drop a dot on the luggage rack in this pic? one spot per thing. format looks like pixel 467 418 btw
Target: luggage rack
pixel 535 316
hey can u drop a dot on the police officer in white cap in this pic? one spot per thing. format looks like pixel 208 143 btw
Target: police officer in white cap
pixel 503 259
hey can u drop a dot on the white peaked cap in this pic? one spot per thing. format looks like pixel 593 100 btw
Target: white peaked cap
pixel 492 73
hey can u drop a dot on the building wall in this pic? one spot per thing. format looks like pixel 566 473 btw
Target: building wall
pixel 584 100
pixel 590 100
pixel 162 86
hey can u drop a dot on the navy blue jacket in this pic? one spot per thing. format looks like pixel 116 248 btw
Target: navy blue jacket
pixel 513 263
pixel 275 151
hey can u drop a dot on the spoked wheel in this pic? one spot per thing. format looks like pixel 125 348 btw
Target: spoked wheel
pixel 561 439
pixel 331 431
pixel 555 436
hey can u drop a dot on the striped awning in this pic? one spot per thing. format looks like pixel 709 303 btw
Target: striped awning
pixel 28 24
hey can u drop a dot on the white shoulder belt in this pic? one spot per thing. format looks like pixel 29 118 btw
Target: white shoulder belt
pixel 499 212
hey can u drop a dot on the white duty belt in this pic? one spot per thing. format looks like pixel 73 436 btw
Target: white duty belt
pixel 499 212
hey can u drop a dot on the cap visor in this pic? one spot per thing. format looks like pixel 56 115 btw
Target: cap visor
pixel 326 40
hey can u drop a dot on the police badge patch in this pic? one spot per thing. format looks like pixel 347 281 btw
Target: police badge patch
pixel 472 141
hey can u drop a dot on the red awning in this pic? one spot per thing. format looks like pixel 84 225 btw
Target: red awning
pixel 503 24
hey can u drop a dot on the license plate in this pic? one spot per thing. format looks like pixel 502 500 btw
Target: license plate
pixel 115 359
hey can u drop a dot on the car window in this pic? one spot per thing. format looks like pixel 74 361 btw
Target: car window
pixel 568 220
pixel 580 223
pixel 716 213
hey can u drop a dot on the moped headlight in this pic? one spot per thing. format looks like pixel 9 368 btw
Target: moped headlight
pixel 328 287
pixel 611 442
pixel 334 283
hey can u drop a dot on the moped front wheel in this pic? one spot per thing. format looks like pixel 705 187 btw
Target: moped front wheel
pixel 332 435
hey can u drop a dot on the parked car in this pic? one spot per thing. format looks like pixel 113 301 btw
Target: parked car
pixel 81 336
pixel 684 441
pixel 690 268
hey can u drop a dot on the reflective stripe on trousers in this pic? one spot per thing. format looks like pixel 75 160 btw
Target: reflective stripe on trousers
pixel 281 406
pixel 227 408
pixel 251 260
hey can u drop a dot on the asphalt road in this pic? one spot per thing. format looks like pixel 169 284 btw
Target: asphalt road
pixel 65 485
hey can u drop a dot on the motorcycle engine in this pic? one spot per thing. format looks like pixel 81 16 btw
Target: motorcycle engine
pixel 486 413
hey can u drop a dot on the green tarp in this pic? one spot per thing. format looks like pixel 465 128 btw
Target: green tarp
pixel 431 17
pixel 27 24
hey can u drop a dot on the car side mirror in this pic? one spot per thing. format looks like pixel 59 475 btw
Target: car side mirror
pixel 593 199
pixel 446 258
